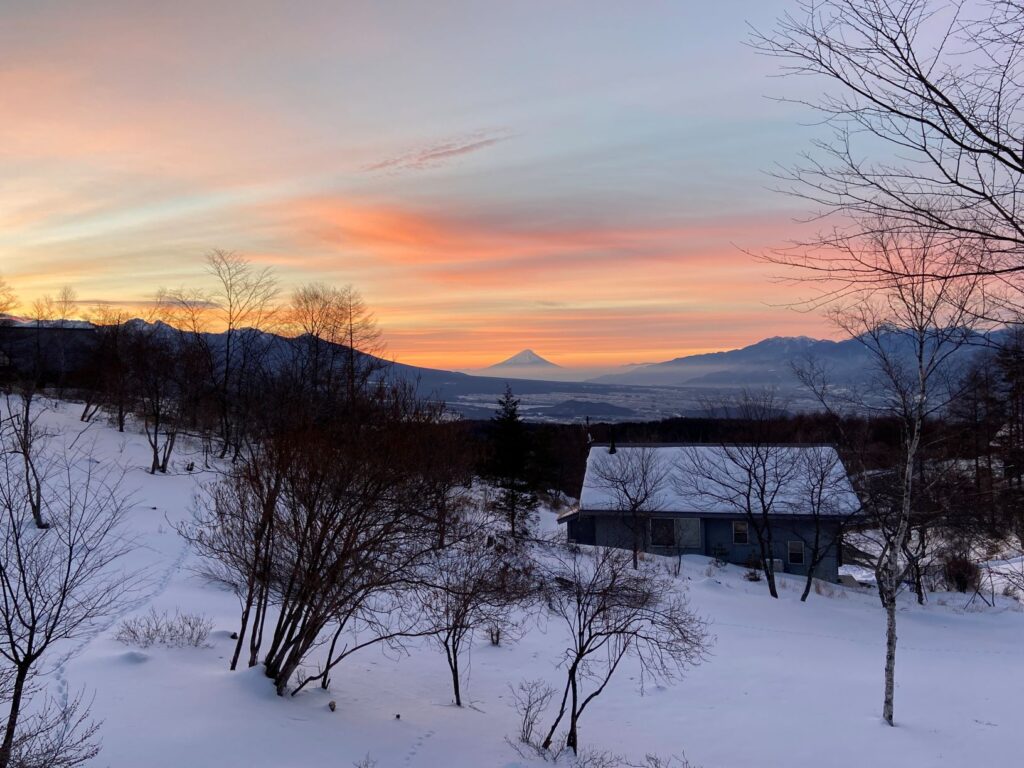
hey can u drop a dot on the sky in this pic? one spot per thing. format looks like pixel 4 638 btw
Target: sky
pixel 586 179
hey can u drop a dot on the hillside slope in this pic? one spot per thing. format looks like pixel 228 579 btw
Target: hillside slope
pixel 788 683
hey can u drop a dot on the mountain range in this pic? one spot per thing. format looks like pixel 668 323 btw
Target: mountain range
pixel 771 362
pixel 650 391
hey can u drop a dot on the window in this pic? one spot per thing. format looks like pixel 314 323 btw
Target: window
pixel 796 553
pixel 740 534
pixel 688 533
pixel 663 532
pixel 583 530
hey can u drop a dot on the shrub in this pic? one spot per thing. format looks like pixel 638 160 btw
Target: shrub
pixel 961 573
pixel 531 699
pixel 824 589
pixel 177 631
pixel 753 565
pixel 719 553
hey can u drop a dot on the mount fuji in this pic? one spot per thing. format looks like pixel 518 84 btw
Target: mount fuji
pixel 525 359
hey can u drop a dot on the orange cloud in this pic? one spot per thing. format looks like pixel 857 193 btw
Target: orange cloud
pixel 462 290
pixel 583 295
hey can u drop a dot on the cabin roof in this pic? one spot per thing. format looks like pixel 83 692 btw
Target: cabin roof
pixel 713 479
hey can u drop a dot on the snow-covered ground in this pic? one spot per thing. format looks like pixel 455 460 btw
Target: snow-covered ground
pixel 787 683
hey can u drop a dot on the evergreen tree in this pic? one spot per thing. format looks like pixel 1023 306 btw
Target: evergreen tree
pixel 511 465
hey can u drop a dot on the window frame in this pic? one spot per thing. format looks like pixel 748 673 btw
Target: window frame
pixel 746 532
pixel 789 553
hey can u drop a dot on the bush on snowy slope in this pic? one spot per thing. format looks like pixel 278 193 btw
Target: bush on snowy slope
pixel 611 610
pixel 177 631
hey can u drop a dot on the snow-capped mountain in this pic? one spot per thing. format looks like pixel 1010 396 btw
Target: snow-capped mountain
pixel 525 359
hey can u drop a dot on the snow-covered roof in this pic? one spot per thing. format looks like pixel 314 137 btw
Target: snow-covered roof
pixel 717 480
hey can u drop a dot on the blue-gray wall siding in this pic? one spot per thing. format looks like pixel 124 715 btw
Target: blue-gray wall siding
pixel 717 533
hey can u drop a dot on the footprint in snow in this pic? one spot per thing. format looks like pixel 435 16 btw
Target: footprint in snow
pixel 416 745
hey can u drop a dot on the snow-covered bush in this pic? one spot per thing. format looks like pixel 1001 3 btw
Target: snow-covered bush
pixel 177 631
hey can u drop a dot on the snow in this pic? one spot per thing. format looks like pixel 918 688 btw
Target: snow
pixel 788 683
pixel 685 463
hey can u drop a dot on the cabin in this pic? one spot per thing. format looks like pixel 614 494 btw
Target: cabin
pixel 696 497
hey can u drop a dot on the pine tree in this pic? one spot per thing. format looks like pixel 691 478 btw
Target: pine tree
pixel 511 465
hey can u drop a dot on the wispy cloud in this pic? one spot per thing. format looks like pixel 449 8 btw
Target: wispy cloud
pixel 439 153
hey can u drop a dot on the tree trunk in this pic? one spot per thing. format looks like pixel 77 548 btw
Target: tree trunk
pixel 812 563
pixel 13 713
pixel 168 448
pixel 35 491
pixel 893 576
pixel 764 541
pixel 241 631
pixel 153 434
pixel 807 586
pixel 571 739
pixel 325 678
pixel 561 708
pixel 451 651
pixel 890 657
pixel 256 636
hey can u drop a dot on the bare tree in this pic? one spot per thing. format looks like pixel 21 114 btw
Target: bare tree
pixel 19 432
pixel 472 583
pixel 23 436
pixel 8 300
pixel 245 301
pixel 825 495
pixel 611 612
pixel 341 334
pixel 57 734
pixel 927 229
pixel 64 305
pixel 234 528
pixel 923 99
pixel 635 479
pixel 324 525
pixel 445 474
pixel 109 365
pixel 158 371
pixel 912 325
pixel 44 310
pixel 752 475
pixel 223 328
pixel 56 585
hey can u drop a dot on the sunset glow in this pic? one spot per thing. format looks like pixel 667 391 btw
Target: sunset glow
pixel 555 176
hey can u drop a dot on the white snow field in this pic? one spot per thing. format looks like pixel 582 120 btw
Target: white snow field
pixel 788 684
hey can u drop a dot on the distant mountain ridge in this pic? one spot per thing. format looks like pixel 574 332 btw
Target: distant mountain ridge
pixel 673 388
pixel 476 395
pixel 770 363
